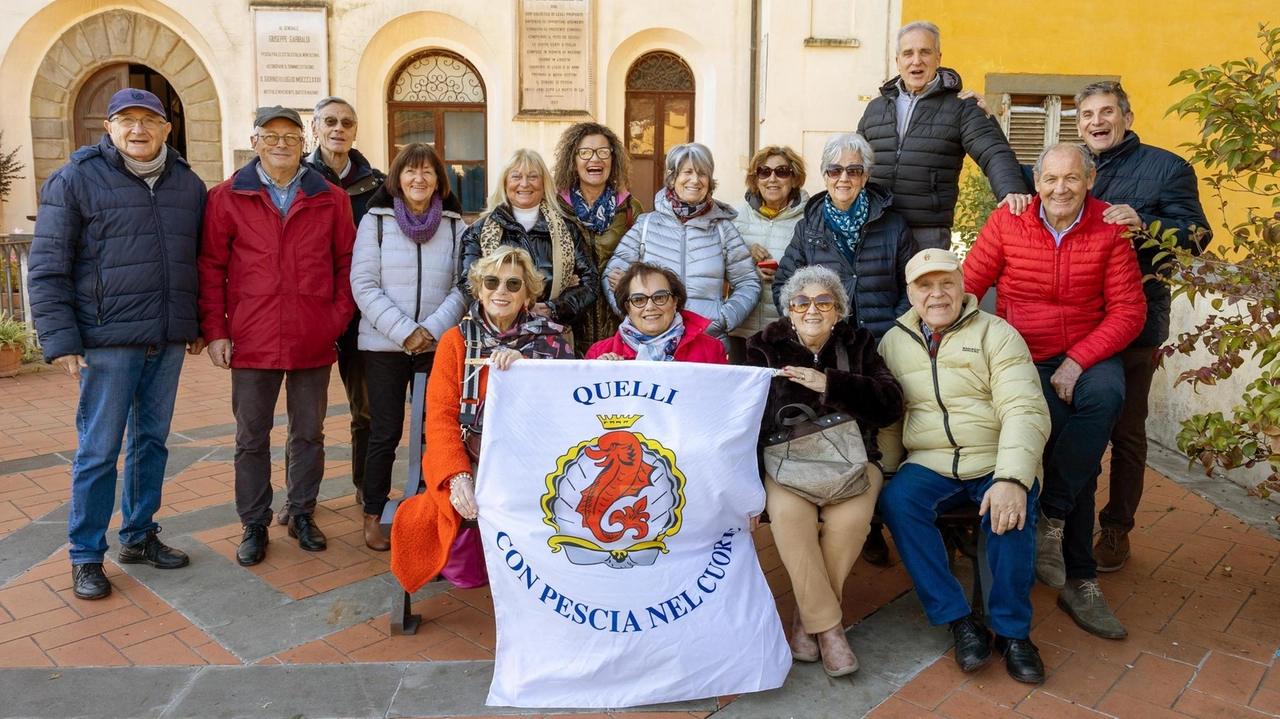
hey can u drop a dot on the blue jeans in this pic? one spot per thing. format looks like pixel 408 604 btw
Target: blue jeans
pixel 1083 429
pixel 912 501
pixel 123 388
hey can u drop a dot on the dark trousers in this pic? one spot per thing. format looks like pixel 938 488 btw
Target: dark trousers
pixel 253 402
pixel 388 378
pixel 932 238
pixel 1080 430
pixel 1129 441
pixel 351 368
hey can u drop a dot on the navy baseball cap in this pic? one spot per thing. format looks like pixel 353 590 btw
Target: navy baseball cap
pixel 130 97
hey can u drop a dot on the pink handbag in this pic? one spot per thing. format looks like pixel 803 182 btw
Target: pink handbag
pixel 465 568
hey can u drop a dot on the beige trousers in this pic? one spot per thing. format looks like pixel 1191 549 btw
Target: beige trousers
pixel 818 546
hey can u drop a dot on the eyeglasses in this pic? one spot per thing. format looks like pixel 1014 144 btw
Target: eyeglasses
pixel 586 153
pixel 514 284
pixel 272 139
pixel 346 122
pixel 800 303
pixel 854 171
pixel 149 122
pixel 763 172
pixel 660 299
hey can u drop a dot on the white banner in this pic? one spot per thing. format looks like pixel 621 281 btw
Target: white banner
pixel 615 500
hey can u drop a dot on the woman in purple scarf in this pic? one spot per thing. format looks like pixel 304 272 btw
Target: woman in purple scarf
pixel 403 274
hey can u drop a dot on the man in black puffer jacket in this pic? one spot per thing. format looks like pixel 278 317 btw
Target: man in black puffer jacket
pixel 921 130
pixel 113 287
pixel 1144 185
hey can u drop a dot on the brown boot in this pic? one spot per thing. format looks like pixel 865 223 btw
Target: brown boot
pixel 1112 549
pixel 373 537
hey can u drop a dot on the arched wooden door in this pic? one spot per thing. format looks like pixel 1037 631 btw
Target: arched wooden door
pixel 659 116
pixel 95 95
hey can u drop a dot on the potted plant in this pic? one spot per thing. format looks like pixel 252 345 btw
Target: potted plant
pixel 14 339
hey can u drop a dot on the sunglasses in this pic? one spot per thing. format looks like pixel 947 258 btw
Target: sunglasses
pixel 801 303
pixel 514 284
pixel 854 171
pixel 782 172
pixel 660 299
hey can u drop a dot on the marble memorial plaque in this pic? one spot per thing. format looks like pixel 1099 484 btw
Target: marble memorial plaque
pixel 291 56
pixel 556 58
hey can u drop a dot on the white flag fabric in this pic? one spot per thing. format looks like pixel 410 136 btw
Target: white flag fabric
pixel 615 500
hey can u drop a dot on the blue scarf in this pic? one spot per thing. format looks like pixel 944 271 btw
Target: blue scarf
pixel 847 225
pixel 599 216
pixel 658 348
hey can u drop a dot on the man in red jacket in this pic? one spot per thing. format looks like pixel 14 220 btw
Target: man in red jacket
pixel 1068 281
pixel 275 295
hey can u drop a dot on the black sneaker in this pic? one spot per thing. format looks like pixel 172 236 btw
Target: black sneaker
pixel 973 643
pixel 154 552
pixel 88 581
pixel 1021 659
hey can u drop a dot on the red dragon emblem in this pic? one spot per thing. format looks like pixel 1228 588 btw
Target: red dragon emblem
pixel 624 473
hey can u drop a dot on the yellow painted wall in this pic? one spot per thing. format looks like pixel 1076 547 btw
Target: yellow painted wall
pixel 1145 42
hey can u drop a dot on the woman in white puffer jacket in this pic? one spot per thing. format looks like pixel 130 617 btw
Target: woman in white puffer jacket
pixel 775 203
pixel 404 277
pixel 694 235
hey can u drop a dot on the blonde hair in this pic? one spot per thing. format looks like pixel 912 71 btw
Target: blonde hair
pixel 508 255
pixel 524 157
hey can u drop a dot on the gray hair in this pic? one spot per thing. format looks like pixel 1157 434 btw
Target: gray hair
pixel 334 100
pixel 1085 157
pixel 825 278
pixel 852 142
pixel 697 154
pixel 1106 87
pixel 920 25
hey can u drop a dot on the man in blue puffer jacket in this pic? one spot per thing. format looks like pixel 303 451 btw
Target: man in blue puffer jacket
pixel 113 290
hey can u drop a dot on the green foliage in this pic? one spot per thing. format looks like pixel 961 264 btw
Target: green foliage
pixel 1239 149
pixel 974 205
pixel 13 331
pixel 9 169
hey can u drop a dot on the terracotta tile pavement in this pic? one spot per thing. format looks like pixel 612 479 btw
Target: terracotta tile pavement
pixel 1200 595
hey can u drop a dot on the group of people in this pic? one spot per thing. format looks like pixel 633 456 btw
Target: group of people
pixel 852 295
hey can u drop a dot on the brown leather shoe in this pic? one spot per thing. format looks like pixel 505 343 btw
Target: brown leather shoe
pixel 373 537
pixel 1112 549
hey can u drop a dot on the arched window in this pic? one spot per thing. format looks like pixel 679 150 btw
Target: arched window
pixel 438 98
pixel 659 116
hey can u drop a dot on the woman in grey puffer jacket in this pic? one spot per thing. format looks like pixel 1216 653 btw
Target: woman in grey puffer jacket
pixel 404 278
pixel 694 235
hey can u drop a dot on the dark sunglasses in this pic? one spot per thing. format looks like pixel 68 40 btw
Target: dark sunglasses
pixel 801 303
pixel 782 172
pixel 854 171
pixel 514 284
pixel 660 299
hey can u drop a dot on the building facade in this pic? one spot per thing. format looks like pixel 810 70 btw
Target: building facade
pixel 733 74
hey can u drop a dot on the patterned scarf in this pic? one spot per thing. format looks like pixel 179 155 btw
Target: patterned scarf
pixel 685 211
pixel 599 216
pixel 847 225
pixel 419 228
pixel 658 348
pixel 563 255
pixel 533 336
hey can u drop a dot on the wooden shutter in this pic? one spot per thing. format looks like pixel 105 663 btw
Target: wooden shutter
pixel 1025 124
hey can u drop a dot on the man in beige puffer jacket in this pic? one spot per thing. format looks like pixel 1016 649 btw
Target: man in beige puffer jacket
pixel 975 429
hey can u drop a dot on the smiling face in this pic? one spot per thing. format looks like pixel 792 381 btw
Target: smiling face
pixel 845 188
pixel 593 172
pixel 524 187
pixel 775 191
pixel 651 319
pixel 813 325
pixel 418 184
pixel 918 60
pixel 335 126
pixel 278 159
pixel 501 305
pixel 1101 123
pixel 1063 184
pixel 690 186
pixel 938 298
pixel 139 142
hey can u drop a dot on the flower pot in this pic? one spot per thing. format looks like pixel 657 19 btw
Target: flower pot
pixel 10 359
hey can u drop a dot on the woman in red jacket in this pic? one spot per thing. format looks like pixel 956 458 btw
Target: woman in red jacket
pixel 657 326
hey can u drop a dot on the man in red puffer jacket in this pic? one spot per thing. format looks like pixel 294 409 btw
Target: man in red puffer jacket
pixel 1069 283
pixel 275 295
